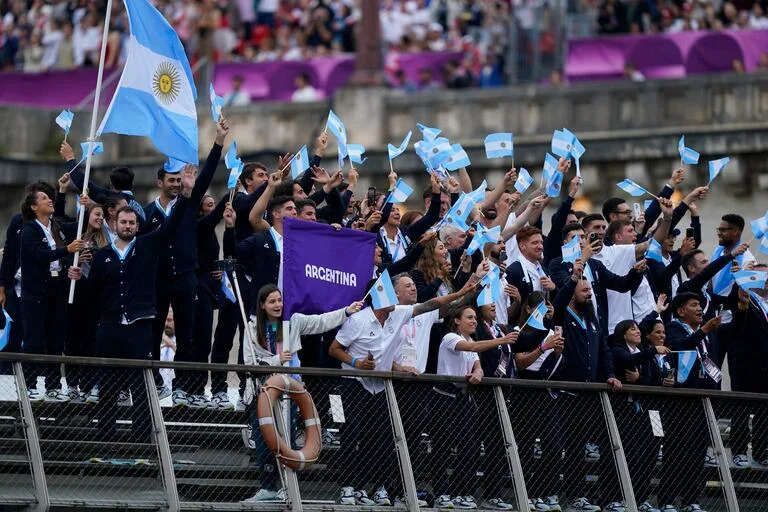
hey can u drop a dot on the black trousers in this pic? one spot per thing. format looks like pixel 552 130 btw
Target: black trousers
pixel 193 382
pixel 132 341
pixel 686 437
pixel 178 292
pixel 230 320
pixel 44 333
pixel 640 445
pixel 367 456
pixel 13 308
pixel 82 323
pixel 454 424
pixel 495 465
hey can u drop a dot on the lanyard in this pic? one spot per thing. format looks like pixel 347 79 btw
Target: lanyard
pixel 689 330
pixel 165 212
pixel 277 238
pixel 582 323
pixel 124 253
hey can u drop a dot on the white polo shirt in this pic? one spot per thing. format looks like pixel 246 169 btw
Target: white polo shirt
pixel 619 259
pixel 415 340
pixel 451 361
pixel 362 333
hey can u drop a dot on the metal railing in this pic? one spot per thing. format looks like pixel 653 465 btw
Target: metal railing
pixel 421 437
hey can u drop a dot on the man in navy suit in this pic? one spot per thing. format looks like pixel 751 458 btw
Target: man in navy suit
pixel 527 274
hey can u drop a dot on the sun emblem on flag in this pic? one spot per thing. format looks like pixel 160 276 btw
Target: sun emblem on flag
pixel 165 83
pixel 380 288
pixel 503 144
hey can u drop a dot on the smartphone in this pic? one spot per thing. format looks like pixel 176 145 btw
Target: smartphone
pixel 593 237
pixel 689 232
pixel 370 197
pixel 725 316
pixel 503 256
pixel 637 210
pixel 558 330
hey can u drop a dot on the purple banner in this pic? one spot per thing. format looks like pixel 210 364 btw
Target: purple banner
pixel 53 89
pixel 324 269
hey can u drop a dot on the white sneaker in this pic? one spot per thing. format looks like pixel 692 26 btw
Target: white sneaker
pixel 740 461
pixel 35 396
pixel 496 504
pixel 180 398
pixel 537 451
pixel 347 496
pixel 553 502
pixel 261 496
pixel 125 399
pixel 668 508
pixel 616 506
pixel 591 452
pixel 163 392
pixel 583 505
pixel 56 396
pixel 444 502
pixel 198 402
pixel 693 507
pixel 247 434
pixel 240 405
pixel 362 499
pixel 75 396
pixel 537 505
pixel 647 507
pixel 381 497
pixel 220 401
pixel 93 396
pixel 465 502
pixel 710 460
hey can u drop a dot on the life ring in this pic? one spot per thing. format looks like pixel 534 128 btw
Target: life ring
pixel 270 393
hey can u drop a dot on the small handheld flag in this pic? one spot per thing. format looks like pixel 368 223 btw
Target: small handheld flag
pixel 400 193
pixel 654 251
pixel 632 188
pixel 577 150
pixel 5 332
pixel 524 180
pixel 499 145
pixel 394 152
pixel 216 103
pixel 687 155
pixel 234 176
pixel 760 226
pixel 226 288
pixel 437 151
pixel 685 360
pixel 716 167
pixel 64 120
pixel 536 320
pixel 562 144
pixel 457 159
pixel 647 203
pixel 554 184
pixel 336 127
pixel 483 236
pixel 355 152
pixel 572 250
pixel 457 215
pixel 491 283
pixel 230 157
pixel 299 162
pixel 764 245
pixel 427 133
pixel 550 167
pixel 98 148
pixel 383 293
pixel 750 279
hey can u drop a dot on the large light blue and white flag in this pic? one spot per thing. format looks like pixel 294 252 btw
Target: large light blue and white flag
pixel 156 93
pixel 173 166
pixel 216 103
pixel 483 236
pixel 654 251
pixel 687 155
pixel 336 127
pixel 427 133
pixel 64 120
pixel 457 159
pixel 536 320
pixel 750 279
pixel 499 145
pixel 226 288
pixel 716 167
pixel 383 293
pixel 394 152
pixel 759 226
pixel 550 167
pixel 400 193
pixel 685 360
pixel 632 188
pixel 572 250
pixel 355 152
pixel 299 162
pixel 524 180
pixel 491 283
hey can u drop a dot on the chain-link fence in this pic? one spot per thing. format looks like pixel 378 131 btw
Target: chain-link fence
pixel 97 434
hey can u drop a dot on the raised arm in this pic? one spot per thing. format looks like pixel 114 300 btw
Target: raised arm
pixel 256 215
pixel 438 302
pixel 535 205
pixel 661 232
pixel 494 195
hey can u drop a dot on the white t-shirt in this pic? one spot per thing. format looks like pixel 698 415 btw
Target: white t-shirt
pixel 451 361
pixel 362 334
pixel 513 251
pixel 619 259
pixel 307 93
pixel 415 340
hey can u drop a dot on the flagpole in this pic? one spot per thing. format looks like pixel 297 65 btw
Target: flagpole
pixel 92 134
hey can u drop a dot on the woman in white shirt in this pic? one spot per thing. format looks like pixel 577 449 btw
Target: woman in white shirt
pixel 455 412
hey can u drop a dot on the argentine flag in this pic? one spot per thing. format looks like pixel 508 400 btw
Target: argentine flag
pixel 458 158
pixel 5 332
pixel 299 162
pixel 483 236
pixel 687 155
pixel 427 133
pixel 216 103
pixel 64 120
pixel 632 188
pixel 536 320
pixel 562 143
pixel 499 145
pixel 716 167
pixel 760 226
pixel 524 180
pixel 336 127
pixel 226 288
pixel 550 166
pixel 400 193
pixel 394 152
pixel 654 251
pixel 355 152
pixel 685 360
pixel 750 279
pixel 554 184
pixel 491 283
pixel 383 293
pixel 156 95
pixel 572 250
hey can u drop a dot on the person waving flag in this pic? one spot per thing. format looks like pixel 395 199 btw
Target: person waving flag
pixel 156 94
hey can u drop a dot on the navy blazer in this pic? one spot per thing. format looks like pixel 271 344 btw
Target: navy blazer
pixel 11 253
pixel 36 259
pixel 263 261
pixel 515 278
pixel 678 339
